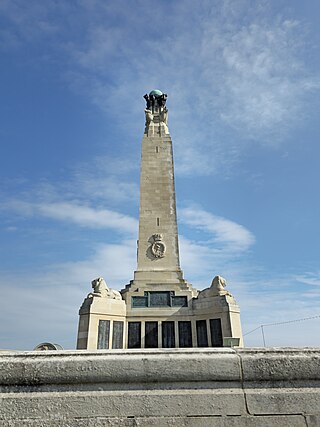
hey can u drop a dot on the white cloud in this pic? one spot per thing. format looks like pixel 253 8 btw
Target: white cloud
pixel 47 301
pixel 220 249
pixel 29 23
pixel 84 216
pixel 53 294
pixel 249 80
pixel 103 178
pixel 267 297
pixel 308 278
pixel 115 262
pixel 265 81
pixel 224 232
pixel 89 197
pixel 89 217
pixel 197 261
pixel 99 179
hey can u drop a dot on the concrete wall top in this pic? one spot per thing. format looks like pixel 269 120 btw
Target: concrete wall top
pixel 277 364
pixel 274 387
pixel 149 366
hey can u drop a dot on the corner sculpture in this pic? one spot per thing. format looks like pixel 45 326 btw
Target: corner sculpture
pixel 102 290
pixel 217 288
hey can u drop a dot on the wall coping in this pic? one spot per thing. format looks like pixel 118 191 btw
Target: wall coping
pixel 159 366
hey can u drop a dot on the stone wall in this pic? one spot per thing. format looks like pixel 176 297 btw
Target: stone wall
pixel 177 387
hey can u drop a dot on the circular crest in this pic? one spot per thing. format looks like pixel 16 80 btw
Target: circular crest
pixel 158 249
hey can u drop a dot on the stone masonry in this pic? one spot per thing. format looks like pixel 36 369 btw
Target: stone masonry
pixel 161 388
pixel 158 308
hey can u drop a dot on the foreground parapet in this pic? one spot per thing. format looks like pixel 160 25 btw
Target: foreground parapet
pixel 177 387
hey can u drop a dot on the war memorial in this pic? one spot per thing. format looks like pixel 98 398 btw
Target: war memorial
pixel 159 308
pixel 159 352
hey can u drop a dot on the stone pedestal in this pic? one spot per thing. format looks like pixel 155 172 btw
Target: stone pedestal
pixel 102 324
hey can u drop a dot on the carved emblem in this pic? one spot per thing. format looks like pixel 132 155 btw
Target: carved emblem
pixel 158 248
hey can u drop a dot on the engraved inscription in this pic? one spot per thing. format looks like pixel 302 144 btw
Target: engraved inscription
pixel 103 334
pixel 216 333
pixel 159 299
pixel 151 335
pixel 134 334
pixel 202 335
pixel 117 340
pixel 185 336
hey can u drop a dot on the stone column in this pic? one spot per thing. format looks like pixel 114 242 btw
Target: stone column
pixel 158 251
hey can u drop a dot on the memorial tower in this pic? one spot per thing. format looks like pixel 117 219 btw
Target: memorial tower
pixel 158 308
pixel 158 249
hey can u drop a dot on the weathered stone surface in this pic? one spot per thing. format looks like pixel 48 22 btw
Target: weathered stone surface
pixel 217 421
pixel 277 364
pixel 114 366
pixel 281 381
pixel 134 403
pixel 313 420
pixel 286 398
pixel 178 387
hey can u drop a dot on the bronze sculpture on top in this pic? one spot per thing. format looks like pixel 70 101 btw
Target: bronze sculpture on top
pixel 156 112
pixel 155 99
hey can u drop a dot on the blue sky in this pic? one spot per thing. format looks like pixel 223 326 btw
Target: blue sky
pixel 243 84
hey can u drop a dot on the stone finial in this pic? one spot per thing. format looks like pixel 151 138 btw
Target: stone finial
pixel 102 290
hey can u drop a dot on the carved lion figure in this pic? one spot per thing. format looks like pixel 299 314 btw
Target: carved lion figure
pixel 102 290
pixel 219 283
pixel 217 288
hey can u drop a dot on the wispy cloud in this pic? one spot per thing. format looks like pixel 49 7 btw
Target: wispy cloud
pixel 81 215
pixel 218 246
pixel 51 296
pixel 250 81
pixel 91 196
pixel 103 178
pixel 250 70
pixel 220 230
pixel 265 80
pixel 108 187
pixel 308 278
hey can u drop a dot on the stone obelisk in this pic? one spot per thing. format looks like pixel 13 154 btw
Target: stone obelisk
pixel 158 249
